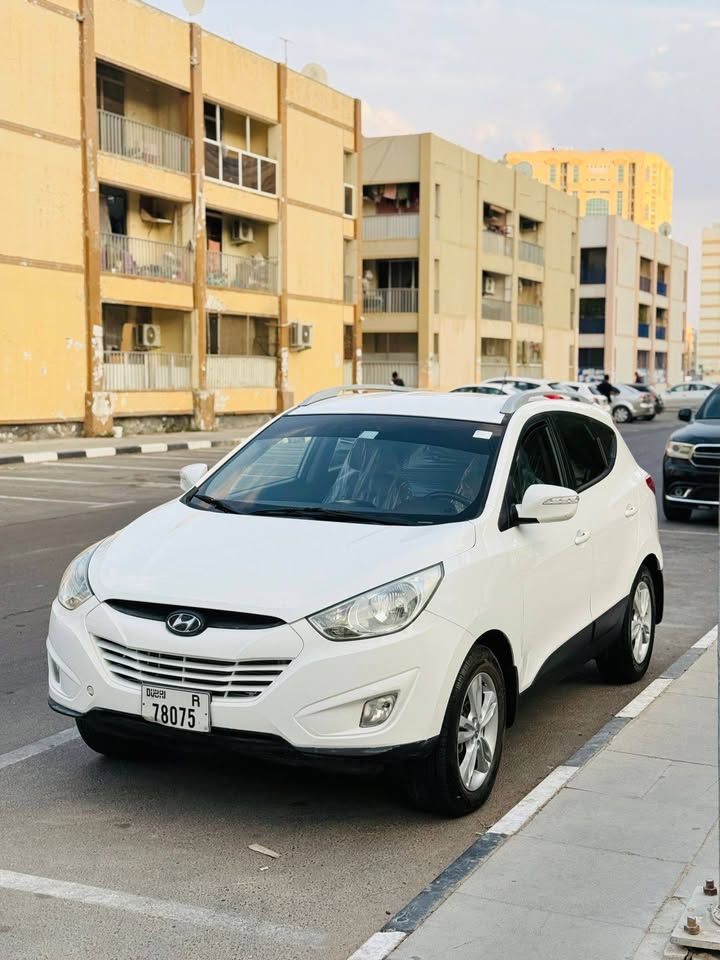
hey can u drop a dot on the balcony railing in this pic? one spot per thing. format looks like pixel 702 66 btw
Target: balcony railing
pixel 662 288
pixel 136 257
pixel 240 168
pixel 494 366
pixel 643 329
pixel 495 309
pixel 139 370
pixel 349 289
pixel 381 371
pixel 646 284
pixel 497 243
pixel 143 142
pixel 391 300
pixel 241 273
pixel 400 226
pixel 531 252
pixel 529 313
pixel 234 371
pixel 660 333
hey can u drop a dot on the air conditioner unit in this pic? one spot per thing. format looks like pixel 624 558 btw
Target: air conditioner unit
pixel 148 335
pixel 300 336
pixel 241 231
pixel 489 285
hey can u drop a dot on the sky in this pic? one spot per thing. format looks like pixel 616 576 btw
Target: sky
pixel 502 75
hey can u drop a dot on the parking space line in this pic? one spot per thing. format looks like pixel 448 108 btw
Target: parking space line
pixel 86 503
pixel 40 746
pixel 170 910
pixel 115 466
pixel 84 483
pixel 379 946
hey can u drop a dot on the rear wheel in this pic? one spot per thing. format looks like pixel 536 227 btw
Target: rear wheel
pixel 458 776
pixel 627 659
pixel 622 414
pixel 111 744
pixel 676 514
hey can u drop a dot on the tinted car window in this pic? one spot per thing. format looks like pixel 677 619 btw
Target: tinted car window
pixel 588 448
pixel 535 462
pixel 710 410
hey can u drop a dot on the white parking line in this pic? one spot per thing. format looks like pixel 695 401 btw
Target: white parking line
pixel 704 642
pixel 379 946
pixel 86 503
pixel 115 466
pixel 82 483
pixel 40 746
pixel 160 909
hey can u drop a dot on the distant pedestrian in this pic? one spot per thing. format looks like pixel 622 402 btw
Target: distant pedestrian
pixel 396 379
pixel 638 378
pixel 607 389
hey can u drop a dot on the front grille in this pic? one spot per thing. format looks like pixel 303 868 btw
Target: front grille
pixel 225 679
pixel 706 455
pixel 222 619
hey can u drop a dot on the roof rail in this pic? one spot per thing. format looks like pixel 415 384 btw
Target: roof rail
pixel 517 400
pixel 351 388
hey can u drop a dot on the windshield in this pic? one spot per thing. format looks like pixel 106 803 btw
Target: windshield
pixel 710 410
pixel 362 468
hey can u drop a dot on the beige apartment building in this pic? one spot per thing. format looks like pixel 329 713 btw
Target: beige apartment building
pixel 633 184
pixel 468 267
pixel 633 302
pixel 179 242
pixel 708 339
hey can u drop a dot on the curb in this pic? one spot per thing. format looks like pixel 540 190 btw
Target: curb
pixel 381 944
pixel 46 456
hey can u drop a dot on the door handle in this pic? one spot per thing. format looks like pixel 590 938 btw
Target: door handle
pixel 582 536
pixel 630 510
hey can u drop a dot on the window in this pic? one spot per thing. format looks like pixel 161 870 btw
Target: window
pixel 621 173
pixel 437 200
pixel 436 344
pixel 348 351
pixel 592 315
pixel 349 208
pixel 535 462
pixel 593 265
pixel 585 448
pixel 619 203
pixel 239 336
pixel 597 207
pixel 110 90
pixel 553 173
pixel 576 173
pixel 213 121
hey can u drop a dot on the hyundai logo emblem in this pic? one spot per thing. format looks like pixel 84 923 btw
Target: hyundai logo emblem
pixel 185 623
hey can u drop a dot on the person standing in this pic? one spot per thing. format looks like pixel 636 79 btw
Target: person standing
pixel 607 389
pixel 638 378
pixel 396 379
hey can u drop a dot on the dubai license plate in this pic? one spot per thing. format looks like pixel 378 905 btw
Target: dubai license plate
pixel 183 709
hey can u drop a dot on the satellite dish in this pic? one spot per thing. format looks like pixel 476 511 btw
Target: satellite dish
pixel 665 229
pixel 194 7
pixel 315 72
pixel 525 168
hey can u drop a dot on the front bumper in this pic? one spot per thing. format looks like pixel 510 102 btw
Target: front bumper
pixel 685 483
pixel 313 705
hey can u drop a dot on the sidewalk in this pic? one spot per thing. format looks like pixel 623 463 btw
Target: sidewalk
pixel 603 870
pixel 38 451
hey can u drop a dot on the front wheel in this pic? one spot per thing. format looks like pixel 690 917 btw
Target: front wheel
pixel 622 414
pixel 458 776
pixel 628 657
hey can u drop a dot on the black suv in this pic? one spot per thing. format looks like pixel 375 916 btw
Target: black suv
pixel 691 465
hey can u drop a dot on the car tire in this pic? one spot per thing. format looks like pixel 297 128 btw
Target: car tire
pixel 441 782
pixel 676 514
pixel 110 744
pixel 628 657
pixel 650 416
pixel 622 414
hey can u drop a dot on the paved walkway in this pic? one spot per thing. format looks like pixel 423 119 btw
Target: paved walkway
pixel 603 871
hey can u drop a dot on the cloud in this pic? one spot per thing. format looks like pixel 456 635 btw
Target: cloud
pixel 555 87
pixel 683 27
pixel 658 79
pixel 383 122
pixel 713 24
pixel 663 48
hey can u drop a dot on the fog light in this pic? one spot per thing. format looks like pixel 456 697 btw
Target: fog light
pixel 377 710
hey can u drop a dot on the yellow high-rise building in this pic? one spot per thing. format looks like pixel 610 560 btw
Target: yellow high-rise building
pixel 626 183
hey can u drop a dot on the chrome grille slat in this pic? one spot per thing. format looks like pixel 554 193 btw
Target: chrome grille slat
pixel 706 455
pixel 221 678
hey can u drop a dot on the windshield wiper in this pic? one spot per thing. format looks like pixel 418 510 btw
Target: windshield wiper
pixel 323 513
pixel 220 505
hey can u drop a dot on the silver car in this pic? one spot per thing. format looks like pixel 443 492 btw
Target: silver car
pixel 630 404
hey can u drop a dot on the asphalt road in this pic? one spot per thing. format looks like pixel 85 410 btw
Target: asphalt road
pixel 168 842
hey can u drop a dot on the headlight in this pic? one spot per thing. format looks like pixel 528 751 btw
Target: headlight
pixel 385 609
pixel 75 587
pixel 682 451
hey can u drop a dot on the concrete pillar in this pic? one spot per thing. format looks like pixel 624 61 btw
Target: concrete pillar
pixel 285 396
pixel 358 307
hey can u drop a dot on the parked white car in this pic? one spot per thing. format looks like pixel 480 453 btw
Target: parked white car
pixel 377 575
pixel 489 389
pixel 519 383
pixel 586 390
pixel 631 404
pixel 691 394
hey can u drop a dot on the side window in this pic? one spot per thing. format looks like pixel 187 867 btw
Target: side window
pixel 584 447
pixel 535 462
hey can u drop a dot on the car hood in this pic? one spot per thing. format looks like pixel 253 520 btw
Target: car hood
pixel 277 566
pixel 699 431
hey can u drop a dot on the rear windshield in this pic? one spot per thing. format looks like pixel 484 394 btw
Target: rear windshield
pixel 382 469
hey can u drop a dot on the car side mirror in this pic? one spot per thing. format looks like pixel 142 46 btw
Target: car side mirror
pixel 685 414
pixel 547 503
pixel 191 475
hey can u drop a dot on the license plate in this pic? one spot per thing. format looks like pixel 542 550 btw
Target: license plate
pixel 183 709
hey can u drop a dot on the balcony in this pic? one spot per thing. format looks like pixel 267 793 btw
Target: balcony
pixel 143 142
pixel 530 313
pixel 497 243
pixel 646 284
pixel 391 300
pixel 349 289
pixel 643 329
pixel 239 168
pixel 399 226
pixel 136 257
pixel 492 309
pixel 230 371
pixel 660 333
pixel 140 370
pixel 531 253
pixel 241 273
pixel 381 371
pixel 662 288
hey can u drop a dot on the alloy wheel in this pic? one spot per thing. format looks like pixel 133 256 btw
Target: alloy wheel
pixel 641 622
pixel 621 414
pixel 477 731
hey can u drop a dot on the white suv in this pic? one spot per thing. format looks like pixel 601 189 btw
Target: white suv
pixel 368 576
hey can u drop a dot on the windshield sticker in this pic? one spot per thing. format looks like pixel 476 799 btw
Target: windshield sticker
pixel 482 434
pixel 368 434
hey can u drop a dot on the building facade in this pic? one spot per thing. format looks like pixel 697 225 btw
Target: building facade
pixel 468 267
pixel 708 337
pixel 626 183
pixel 179 241
pixel 633 301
